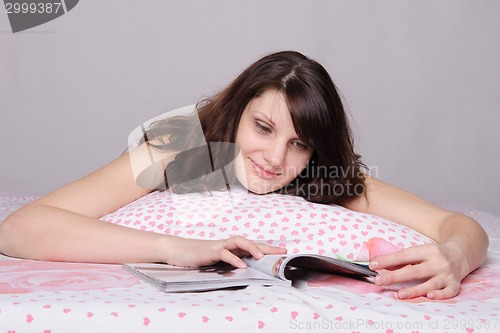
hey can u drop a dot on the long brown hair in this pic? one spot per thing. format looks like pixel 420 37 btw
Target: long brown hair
pixel 334 173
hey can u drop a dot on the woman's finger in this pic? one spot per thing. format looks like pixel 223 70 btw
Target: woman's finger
pixel 411 255
pixel 434 288
pixel 232 259
pixel 406 273
pixel 243 246
pixel 387 261
pixel 449 291
pixel 240 246
pixel 268 249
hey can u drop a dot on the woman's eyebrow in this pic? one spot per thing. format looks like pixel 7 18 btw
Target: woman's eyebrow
pixel 266 116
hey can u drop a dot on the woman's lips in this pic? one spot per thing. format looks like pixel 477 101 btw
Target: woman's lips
pixel 261 172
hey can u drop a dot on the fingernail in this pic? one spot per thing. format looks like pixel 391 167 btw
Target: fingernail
pixel 402 294
pixel 431 295
pixel 373 265
pixel 380 280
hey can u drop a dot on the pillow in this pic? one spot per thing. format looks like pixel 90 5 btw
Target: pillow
pixel 280 220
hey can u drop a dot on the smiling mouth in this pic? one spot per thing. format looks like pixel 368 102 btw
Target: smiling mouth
pixel 261 172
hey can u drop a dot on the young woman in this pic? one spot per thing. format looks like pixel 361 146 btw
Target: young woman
pixel 286 118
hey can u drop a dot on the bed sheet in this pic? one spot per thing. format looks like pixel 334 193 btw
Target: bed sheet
pixel 38 296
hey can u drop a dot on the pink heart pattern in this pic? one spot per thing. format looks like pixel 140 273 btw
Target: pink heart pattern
pixel 47 297
pixel 280 220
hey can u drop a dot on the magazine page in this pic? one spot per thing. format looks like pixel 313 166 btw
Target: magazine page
pixel 284 267
pixel 323 264
pixel 269 264
pixel 181 279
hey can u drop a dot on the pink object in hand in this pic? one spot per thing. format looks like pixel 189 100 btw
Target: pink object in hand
pixel 376 246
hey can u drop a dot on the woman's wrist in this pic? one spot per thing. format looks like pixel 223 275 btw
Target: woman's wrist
pixel 163 248
pixel 458 258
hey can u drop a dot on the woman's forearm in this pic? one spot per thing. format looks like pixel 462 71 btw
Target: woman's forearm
pixel 48 233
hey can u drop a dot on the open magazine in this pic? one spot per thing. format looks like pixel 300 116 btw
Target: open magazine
pixel 270 270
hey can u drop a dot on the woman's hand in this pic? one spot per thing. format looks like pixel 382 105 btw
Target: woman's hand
pixel 437 270
pixel 195 253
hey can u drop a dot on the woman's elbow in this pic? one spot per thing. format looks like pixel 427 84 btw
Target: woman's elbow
pixel 12 233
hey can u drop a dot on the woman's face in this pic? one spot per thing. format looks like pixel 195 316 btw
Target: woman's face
pixel 271 154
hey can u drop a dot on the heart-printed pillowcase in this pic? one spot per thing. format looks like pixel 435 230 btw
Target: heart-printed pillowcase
pixel 280 220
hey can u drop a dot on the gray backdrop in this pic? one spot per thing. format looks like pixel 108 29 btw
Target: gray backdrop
pixel 421 80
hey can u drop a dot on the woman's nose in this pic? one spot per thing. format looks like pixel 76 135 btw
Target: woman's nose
pixel 275 154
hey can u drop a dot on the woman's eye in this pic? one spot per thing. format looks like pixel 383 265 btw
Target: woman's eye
pixel 299 145
pixel 263 129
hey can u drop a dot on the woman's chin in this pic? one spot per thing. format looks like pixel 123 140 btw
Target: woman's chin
pixel 257 185
pixel 258 191
pixel 261 188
